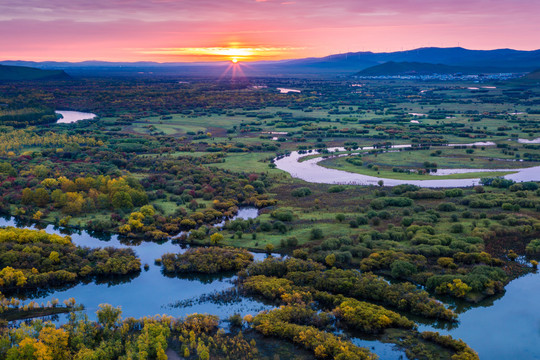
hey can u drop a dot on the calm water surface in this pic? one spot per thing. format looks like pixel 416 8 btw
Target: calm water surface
pixel 506 328
pixel 286 91
pixel 525 141
pixel 69 117
pixel 150 292
pixel 385 351
pixel 509 328
pixel 311 171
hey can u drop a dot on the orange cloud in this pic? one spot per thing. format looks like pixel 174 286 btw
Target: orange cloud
pixel 222 53
pixel 187 30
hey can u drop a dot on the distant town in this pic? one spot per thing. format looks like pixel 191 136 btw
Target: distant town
pixel 445 77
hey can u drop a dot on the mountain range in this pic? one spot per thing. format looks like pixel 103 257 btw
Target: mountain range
pixel 489 60
pixel 463 60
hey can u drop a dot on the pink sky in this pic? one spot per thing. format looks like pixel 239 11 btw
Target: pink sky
pixel 193 30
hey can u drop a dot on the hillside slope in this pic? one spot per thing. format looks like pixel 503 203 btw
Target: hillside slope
pixel 392 68
pixel 23 73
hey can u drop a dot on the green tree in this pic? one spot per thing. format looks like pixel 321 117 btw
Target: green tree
pixel 41 171
pixel 402 269
pixel 216 238
pixel 109 316
pixel 121 200
pixel 316 234
pixel 330 260
pixel 41 197
pixel 54 257
pixel 27 196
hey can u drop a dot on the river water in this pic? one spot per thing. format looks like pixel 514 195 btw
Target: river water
pixel 150 292
pixel 286 91
pixel 311 171
pixel 526 141
pixel 69 117
pixel 505 328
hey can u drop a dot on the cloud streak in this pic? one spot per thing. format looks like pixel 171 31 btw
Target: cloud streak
pixel 156 29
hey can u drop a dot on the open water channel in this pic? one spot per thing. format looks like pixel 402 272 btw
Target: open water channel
pixel 504 328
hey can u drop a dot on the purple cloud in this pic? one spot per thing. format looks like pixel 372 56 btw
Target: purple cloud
pixel 119 29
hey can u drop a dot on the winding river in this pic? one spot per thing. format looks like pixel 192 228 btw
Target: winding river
pixel 149 292
pixel 311 171
pixel 504 328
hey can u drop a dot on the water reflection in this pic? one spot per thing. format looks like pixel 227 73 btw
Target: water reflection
pixel 385 351
pixel 145 293
pixel 502 327
pixel 309 170
pixel 507 327
pixel 69 117
pixel 533 141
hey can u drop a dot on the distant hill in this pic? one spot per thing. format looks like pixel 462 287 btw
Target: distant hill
pixel 128 69
pixel 22 73
pixel 502 60
pixel 485 61
pixel 392 68
pixel 532 78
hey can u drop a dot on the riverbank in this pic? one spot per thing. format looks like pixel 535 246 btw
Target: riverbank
pixel 312 171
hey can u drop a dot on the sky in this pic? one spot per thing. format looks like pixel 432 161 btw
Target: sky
pixel 254 30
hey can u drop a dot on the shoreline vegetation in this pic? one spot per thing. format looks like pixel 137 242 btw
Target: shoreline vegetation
pixel 210 260
pixel 170 164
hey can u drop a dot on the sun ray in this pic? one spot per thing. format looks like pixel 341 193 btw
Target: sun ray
pixel 234 69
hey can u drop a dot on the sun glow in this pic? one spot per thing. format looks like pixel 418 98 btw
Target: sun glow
pixel 235 52
pixel 235 69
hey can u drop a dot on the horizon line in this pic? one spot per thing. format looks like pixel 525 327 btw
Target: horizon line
pixel 258 61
